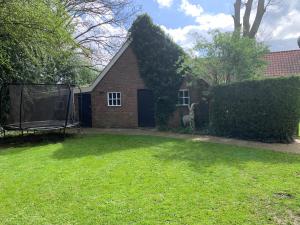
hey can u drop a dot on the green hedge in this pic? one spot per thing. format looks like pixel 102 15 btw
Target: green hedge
pixel 265 110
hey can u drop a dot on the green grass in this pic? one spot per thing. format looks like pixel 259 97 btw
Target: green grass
pixel 110 179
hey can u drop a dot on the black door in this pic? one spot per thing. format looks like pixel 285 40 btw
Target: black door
pixel 85 110
pixel 146 108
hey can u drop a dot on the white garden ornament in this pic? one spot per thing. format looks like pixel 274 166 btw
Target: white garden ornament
pixel 189 120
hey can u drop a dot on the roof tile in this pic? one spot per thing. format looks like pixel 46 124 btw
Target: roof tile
pixel 283 63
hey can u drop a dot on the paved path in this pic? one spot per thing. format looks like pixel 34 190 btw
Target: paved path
pixel 292 148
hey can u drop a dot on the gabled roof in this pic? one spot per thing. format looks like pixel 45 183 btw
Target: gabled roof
pixel 283 63
pixel 107 68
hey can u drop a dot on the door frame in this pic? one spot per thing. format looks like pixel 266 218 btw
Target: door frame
pixel 152 122
pixel 84 111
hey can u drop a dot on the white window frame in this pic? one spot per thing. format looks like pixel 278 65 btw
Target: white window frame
pixel 112 98
pixel 180 99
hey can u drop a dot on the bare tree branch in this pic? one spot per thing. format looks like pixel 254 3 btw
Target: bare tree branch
pixel 91 28
pixel 100 25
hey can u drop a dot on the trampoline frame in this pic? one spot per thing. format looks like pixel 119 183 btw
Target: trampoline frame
pixel 51 127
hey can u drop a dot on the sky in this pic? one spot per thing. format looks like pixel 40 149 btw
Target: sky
pixel 182 19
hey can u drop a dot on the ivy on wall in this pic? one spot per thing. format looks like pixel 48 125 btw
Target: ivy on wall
pixel 160 64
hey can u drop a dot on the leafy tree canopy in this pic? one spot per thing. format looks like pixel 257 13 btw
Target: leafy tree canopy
pixel 37 43
pixel 33 35
pixel 227 58
pixel 160 63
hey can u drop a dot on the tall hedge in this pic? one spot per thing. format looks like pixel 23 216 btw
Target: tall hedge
pixel 265 110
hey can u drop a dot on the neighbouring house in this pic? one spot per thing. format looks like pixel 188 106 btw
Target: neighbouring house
pixel 118 98
pixel 284 63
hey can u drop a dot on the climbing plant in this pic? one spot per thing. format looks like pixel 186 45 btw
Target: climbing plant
pixel 160 64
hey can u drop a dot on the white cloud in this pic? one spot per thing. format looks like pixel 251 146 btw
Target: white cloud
pixel 217 21
pixel 164 3
pixel 191 9
pixel 184 36
pixel 280 27
pixel 288 26
pixel 204 22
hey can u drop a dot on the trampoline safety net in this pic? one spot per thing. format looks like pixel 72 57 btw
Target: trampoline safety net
pixel 39 107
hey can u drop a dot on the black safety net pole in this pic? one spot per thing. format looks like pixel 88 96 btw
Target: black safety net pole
pixel 80 107
pixel 1 109
pixel 79 100
pixel 68 110
pixel 21 111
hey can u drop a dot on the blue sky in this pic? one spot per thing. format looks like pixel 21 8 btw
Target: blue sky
pixel 172 18
pixel 181 19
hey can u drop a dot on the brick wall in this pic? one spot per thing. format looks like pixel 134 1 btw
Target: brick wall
pixel 122 77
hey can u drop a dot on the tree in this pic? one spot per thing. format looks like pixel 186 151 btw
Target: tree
pixel 227 58
pixel 160 60
pixel 245 27
pixel 33 36
pixel 84 75
pixel 51 40
pixel 100 26
pixel 47 41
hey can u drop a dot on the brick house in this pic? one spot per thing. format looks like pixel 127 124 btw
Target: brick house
pixel 118 98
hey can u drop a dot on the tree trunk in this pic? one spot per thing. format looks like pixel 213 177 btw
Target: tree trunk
pixel 237 16
pixel 259 15
pixel 246 19
pixel 248 30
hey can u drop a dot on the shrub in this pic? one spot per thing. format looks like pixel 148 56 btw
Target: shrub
pixel 265 110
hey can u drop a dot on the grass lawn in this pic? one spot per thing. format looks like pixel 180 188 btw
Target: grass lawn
pixel 111 179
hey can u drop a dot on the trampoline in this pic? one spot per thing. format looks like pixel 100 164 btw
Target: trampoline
pixel 38 107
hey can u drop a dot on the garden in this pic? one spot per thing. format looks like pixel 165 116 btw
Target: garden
pixel 122 179
pixel 119 179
